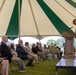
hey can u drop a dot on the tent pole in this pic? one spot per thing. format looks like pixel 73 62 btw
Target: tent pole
pixel 19 19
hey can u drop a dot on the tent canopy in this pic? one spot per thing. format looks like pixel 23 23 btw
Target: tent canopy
pixel 38 17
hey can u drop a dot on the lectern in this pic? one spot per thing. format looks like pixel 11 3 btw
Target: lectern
pixel 69 44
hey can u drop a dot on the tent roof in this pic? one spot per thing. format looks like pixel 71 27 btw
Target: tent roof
pixel 38 17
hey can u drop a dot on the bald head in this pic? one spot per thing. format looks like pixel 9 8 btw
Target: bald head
pixel 4 39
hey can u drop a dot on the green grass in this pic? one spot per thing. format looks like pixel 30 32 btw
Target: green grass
pixel 44 68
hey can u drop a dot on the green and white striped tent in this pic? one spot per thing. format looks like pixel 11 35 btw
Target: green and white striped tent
pixel 37 17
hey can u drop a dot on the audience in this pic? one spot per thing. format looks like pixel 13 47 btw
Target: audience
pixel 20 53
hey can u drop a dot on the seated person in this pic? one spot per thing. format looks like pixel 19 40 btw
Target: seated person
pixel 15 58
pixel 40 52
pixel 53 50
pixel 6 54
pixel 23 54
pixel 35 51
pixel 27 48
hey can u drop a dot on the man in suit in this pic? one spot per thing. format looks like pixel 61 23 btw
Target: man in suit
pixel 6 56
pixel 22 53
pixel 5 51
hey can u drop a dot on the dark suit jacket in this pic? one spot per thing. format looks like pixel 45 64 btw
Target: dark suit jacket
pixel 6 52
pixel 34 50
pixel 21 52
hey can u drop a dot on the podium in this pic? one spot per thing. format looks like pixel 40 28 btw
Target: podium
pixel 69 45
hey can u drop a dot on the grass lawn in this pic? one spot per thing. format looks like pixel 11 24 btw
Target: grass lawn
pixel 44 68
